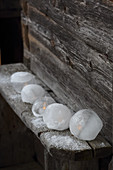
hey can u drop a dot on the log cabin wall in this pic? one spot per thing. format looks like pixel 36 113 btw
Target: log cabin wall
pixel 69 45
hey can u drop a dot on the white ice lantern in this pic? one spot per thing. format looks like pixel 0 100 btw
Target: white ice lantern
pixel 57 116
pixel 41 104
pixel 85 124
pixel 31 93
pixel 21 79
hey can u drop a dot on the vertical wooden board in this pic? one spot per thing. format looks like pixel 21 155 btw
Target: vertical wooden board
pixel 24 5
pixel 27 58
pixel 15 139
pixel 55 164
pixel 60 164
pixel 39 151
pixel 64 145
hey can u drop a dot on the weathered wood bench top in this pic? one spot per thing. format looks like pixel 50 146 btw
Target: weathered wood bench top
pixel 58 144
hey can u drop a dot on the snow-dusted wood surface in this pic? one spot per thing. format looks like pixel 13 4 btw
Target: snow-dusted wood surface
pixel 59 144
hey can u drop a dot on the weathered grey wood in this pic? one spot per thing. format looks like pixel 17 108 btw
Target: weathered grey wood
pixel 56 164
pixel 58 144
pixel 16 141
pixel 94 68
pixel 69 85
pixel 71 44
pixel 60 164
pixel 23 110
pixel 63 144
pixel 84 19
pixel 88 62
pixel 100 147
pixel 27 58
pixel 27 166
pixel 39 151
pixel 80 35
pixel 67 46
pixel 25 36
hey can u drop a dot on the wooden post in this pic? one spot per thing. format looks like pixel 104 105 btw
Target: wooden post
pixel 56 164
pixel 60 164
pixel 111 164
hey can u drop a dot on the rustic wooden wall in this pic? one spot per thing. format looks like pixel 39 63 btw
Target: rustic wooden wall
pixel 71 49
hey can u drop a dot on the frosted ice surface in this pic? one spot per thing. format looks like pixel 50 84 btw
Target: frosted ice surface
pixel 85 124
pixel 21 79
pixel 57 116
pixel 31 93
pixel 41 104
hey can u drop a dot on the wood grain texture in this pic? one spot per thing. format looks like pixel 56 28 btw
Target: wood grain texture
pixel 54 141
pixel 23 110
pixel 56 164
pixel 99 144
pixel 74 39
pixel 87 62
pixel 71 86
pixel 90 21
pixel 66 146
pixel 61 164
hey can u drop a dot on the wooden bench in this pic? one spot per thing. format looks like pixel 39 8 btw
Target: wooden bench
pixel 62 150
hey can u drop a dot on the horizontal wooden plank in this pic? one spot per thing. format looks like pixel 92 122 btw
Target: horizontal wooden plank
pixel 23 110
pixel 63 144
pixel 84 20
pixel 72 88
pixel 54 141
pixel 100 147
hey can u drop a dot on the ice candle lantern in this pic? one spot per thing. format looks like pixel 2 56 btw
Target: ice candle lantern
pixel 57 116
pixel 31 93
pixel 85 124
pixel 21 79
pixel 41 104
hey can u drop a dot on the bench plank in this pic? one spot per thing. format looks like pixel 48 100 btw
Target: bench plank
pixel 63 144
pixel 101 147
pixel 23 110
pixel 59 144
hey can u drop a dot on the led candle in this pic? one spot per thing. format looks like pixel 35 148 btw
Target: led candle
pixel 57 116
pixel 41 104
pixel 21 79
pixel 85 124
pixel 31 93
